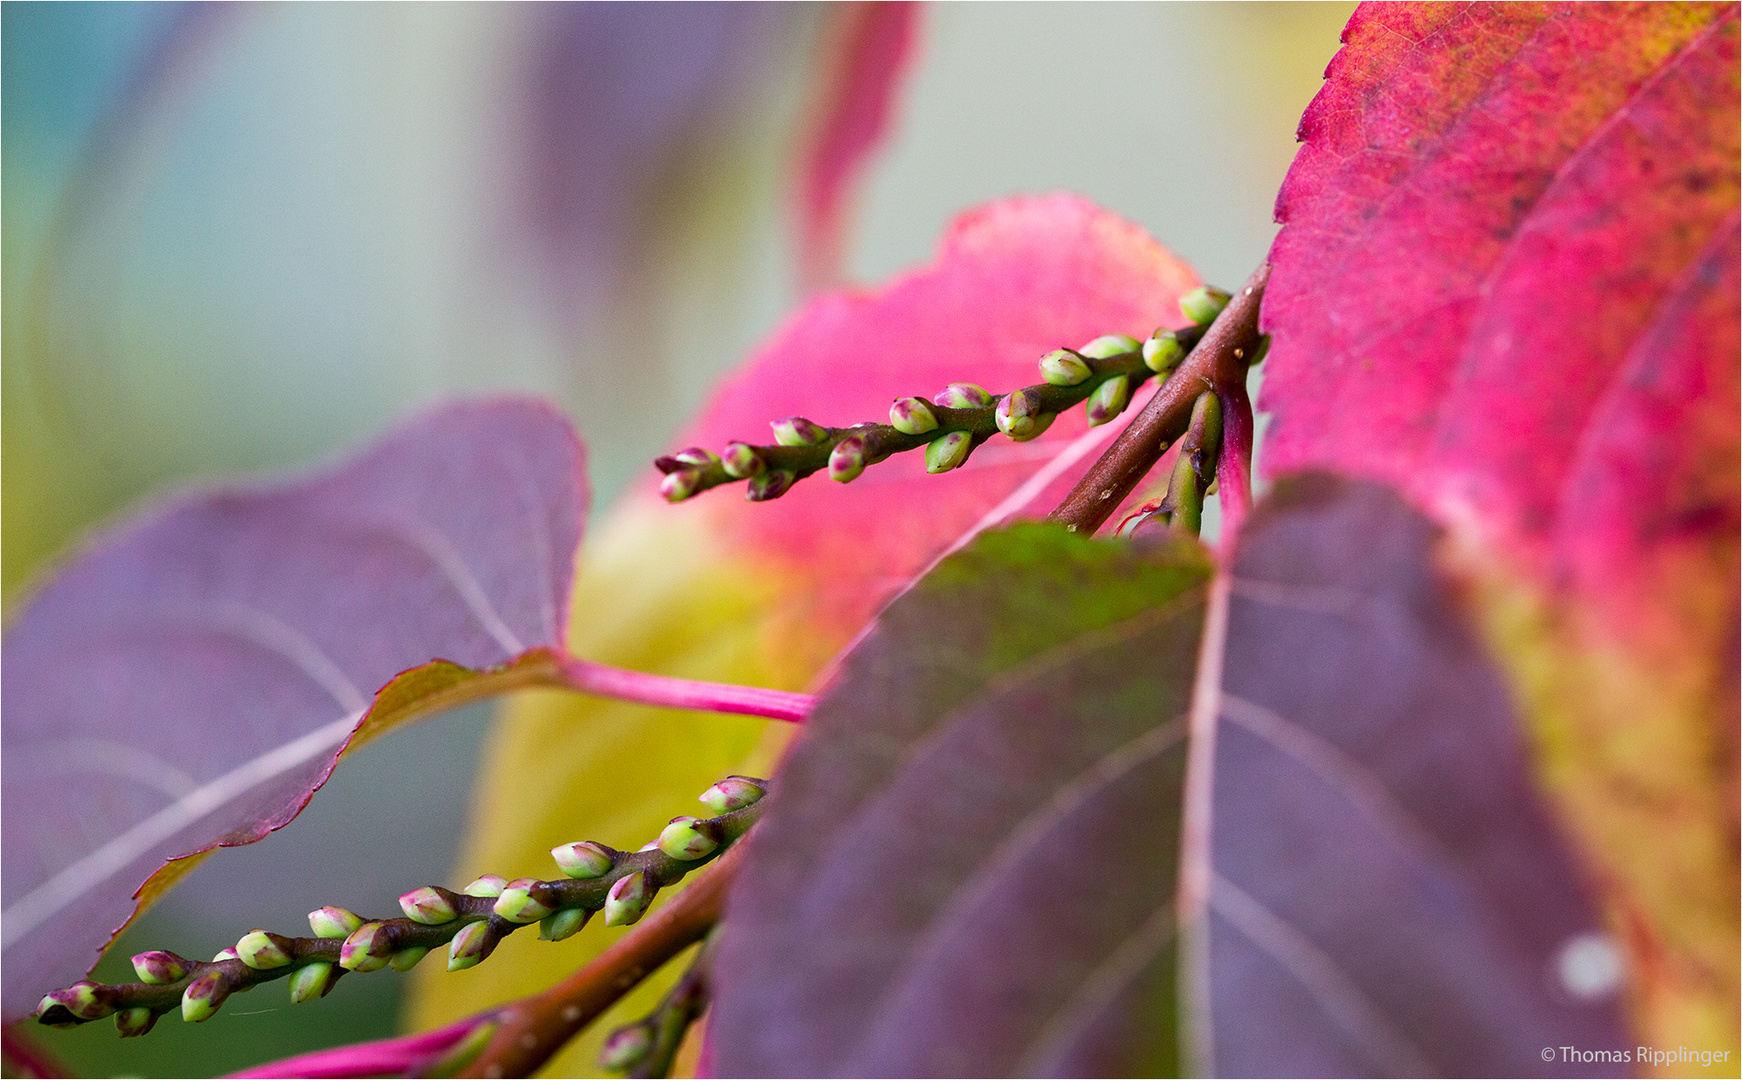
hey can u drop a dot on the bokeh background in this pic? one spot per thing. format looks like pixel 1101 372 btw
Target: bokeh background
pixel 242 238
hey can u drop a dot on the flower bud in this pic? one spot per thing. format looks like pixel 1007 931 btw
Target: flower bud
pixel 1110 345
pixel 1162 351
pixel 628 899
pixel 200 1001
pixel 688 839
pixel 51 1013
pixel 741 460
pixel 263 951
pixel 680 485
pixel 225 954
pixel 696 455
pixel 563 924
pixel 847 460
pixel 312 981
pixel 516 903
pixel 84 999
pixel 367 949
pixel 1016 414
pixel 732 793
pixel 132 1023
pixel 963 395
pixel 406 959
pixel 1203 304
pixel 583 859
pixel 912 416
pixel 488 885
pixel 1041 423
pixel 769 485
pixel 625 1048
pixel 947 451
pixel 797 431
pixel 1109 399
pixel 159 967
pixel 471 945
pixel 1062 367
pixel 427 905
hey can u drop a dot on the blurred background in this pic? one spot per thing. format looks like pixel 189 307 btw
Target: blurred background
pixel 239 238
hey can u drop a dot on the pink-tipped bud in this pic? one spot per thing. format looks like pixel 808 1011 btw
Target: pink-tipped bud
pixel 741 461
pixel 769 485
pixel 912 416
pixel 427 905
pixel 367 949
pixel 584 859
pixel 1017 414
pixel 1110 345
pixel 1062 367
pixel 847 459
pixel 200 1001
pixel 946 452
pixel 84 999
pixel 263 951
pixel 333 922
pixel 962 395
pixel 312 981
pixel 159 967
pixel 688 839
pixel 132 1023
pixel 488 885
pixel 517 904
pixel 628 899
pixel 625 1048
pixel 733 793
pixel 680 485
pixel 696 455
pixel 1109 400
pixel 797 431
pixel 470 946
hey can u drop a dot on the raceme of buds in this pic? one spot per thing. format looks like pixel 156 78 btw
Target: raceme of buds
pixel 769 485
pixel 367 949
pixel 1203 303
pixel 488 885
pixel 1162 351
pixel 847 460
pixel 159 967
pixel 583 859
pixel 1062 367
pixel 333 922
pixel 628 899
pixel 312 981
pixel 263 951
pixel 962 395
pixel 563 924
pixel 680 485
pixel 797 431
pixel 912 416
pixel 427 906
pixel 516 903
pixel 947 451
pixel 470 945
pixel 688 839
pixel 1017 413
pixel 625 1048
pixel 201 999
pixel 1110 345
pixel 732 793
pixel 406 959
pixel 134 1022
pixel 741 460
pixel 1109 399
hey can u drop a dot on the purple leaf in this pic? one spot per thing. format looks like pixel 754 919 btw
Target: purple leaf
pixel 191 679
pixel 982 858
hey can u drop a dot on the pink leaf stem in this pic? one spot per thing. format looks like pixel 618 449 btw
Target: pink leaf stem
pixel 398 1056
pixel 591 678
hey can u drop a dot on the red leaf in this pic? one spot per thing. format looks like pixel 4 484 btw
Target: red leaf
pixel 190 681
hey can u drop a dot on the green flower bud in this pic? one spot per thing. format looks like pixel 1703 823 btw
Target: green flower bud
pixel 470 946
pixel 263 951
pixel 84 999
pixel 1203 304
pixel 1109 399
pixel 488 885
pixel 733 793
pixel 583 859
pixel 427 905
pixel 696 455
pixel 770 485
pixel 1062 367
pixel 741 460
pixel 367 949
pixel 516 903
pixel 628 899
pixel 563 924
pixel 159 967
pixel 1016 414
pixel 947 451
pixel 333 922
pixel 912 416
pixel 200 1001
pixel 797 431
pixel 406 959
pixel 1110 345
pixel 847 459
pixel 1162 351
pixel 312 981
pixel 963 395
pixel 1041 422
pixel 680 485
pixel 625 1048
pixel 132 1023
pixel 688 839
pixel 225 954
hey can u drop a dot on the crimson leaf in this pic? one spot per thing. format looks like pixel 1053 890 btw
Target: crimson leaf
pixel 189 681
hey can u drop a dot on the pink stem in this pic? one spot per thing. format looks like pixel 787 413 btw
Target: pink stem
pixel 591 678
pixel 384 1057
pixel 1234 462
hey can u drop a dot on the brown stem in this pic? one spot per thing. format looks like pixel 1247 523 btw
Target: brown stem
pixel 1217 363
pixel 537 1027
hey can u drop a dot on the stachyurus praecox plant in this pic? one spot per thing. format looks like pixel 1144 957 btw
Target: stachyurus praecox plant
pixel 1427 766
